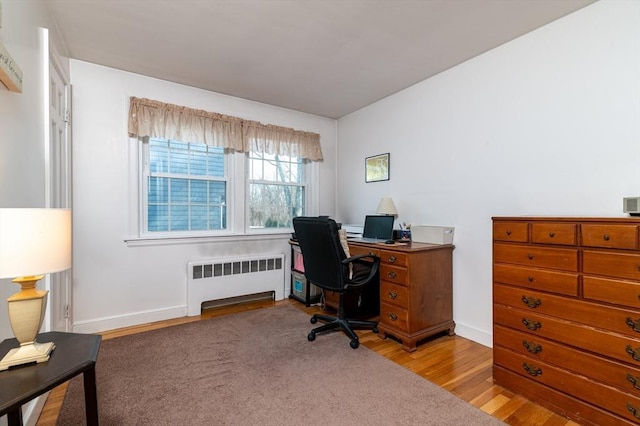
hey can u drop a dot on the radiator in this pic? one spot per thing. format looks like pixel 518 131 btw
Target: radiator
pixel 223 278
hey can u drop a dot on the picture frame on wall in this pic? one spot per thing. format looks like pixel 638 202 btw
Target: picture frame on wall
pixel 376 168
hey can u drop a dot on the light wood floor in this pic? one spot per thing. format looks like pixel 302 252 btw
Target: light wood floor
pixel 454 363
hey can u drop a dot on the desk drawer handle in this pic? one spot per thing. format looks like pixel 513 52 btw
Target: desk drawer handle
pixel 633 380
pixel 605 237
pixel 530 256
pixel 635 353
pixel 531 279
pixel 392 275
pixel 393 316
pixel 552 234
pixel 633 410
pixel 531 325
pixel 392 259
pixel 508 232
pixel 531 302
pixel 392 295
pixel 634 325
pixel 531 369
pixel 531 347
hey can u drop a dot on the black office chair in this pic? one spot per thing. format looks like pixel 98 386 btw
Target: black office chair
pixel 327 266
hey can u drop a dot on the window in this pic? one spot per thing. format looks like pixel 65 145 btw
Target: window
pixel 185 186
pixel 276 193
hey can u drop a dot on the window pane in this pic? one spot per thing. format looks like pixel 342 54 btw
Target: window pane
pixel 178 202
pixel 274 206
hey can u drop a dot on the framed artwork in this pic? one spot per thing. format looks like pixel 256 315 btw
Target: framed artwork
pixel 376 168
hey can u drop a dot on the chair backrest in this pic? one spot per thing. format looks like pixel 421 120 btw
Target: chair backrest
pixel 322 253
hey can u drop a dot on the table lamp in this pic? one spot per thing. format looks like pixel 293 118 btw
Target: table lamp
pixel 387 207
pixel 32 241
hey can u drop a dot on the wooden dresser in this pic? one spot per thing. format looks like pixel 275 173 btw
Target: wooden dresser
pixel 566 309
pixel 416 294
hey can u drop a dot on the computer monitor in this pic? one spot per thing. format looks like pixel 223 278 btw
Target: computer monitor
pixel 378 227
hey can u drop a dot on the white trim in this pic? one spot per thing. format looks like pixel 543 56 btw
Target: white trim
pixel 137 318
pixel 471 333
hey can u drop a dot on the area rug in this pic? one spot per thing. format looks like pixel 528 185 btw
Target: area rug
pixel 257 368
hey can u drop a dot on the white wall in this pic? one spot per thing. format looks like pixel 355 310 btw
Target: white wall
pixel 116 284
pixel 548 124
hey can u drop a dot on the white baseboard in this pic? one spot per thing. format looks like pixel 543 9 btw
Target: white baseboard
pixel 127 320
pixel 31 411
pixel 474 334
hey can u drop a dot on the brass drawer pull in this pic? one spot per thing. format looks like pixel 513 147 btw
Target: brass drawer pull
pixel 392 275
pixel 531 279
pixel 531 347
pixel 635 353
pixel 532 325
pixel 392 295
pixel 634 325
pixel 393 316
pixel 531 369
pixel 633 410
pixel 508 232
pixel 552 234
pixel 392 259
pixel 605 237
pixel 633 380
pixel 531 302
pixel 530 257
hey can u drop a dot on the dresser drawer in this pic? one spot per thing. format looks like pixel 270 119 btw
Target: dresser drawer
pixel 394 294
pixel 541 279
pixel 393 258
pixel 554 233
pixel 606 397
pixel 622 376
pixel 394 316
pixel 622 348
pixel 617 265
pixel 610 236
pixel 626 293
pixel 511 231
pixel 393 274
pixel 544 257
pixel 590 314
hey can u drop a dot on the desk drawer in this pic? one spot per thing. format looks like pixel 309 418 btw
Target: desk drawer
pixel 393 258
pixel 394 294
pixel 610 236
pixel 544 257
pixel 356 250
pixel 540 279
pixel 394 316
pixel 393 274
pixel 517 232
pixel 554 233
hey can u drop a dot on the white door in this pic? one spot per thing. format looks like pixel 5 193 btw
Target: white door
pixel 60 189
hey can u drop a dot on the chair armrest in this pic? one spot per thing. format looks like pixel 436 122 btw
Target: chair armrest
pixel 359 281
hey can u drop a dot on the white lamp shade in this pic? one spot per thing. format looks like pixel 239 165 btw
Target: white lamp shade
pixel 386 206
pixel 34 241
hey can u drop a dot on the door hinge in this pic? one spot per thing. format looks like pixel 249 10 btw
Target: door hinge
pixel 66 115
pixel 66 311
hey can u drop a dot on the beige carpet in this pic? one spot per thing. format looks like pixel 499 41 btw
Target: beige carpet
pixel 257 368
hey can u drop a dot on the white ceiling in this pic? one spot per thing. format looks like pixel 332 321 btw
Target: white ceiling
pixel 324 57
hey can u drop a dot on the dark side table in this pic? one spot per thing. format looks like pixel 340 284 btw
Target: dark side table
pixel 74 354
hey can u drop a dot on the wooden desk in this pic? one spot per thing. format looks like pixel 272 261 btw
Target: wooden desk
pixel 74 354
pixel 416 289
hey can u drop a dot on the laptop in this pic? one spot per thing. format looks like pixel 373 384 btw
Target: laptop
pixel 376 229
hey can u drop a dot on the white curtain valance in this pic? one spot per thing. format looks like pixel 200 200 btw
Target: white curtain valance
pixel 149 118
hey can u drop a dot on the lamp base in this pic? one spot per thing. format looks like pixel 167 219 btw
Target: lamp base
pixel 27 354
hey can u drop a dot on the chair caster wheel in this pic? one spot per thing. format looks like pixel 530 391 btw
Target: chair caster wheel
pixel 313 320
pixel 311 337
pixel 354 344
pixel 375 330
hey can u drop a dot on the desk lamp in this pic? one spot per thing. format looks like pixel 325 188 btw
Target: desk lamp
pixel 387 207
pixel 32 241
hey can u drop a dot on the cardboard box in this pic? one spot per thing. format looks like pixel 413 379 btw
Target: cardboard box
pixel 432 234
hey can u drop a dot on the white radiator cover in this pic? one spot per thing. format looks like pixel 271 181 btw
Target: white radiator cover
pixel 221 278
